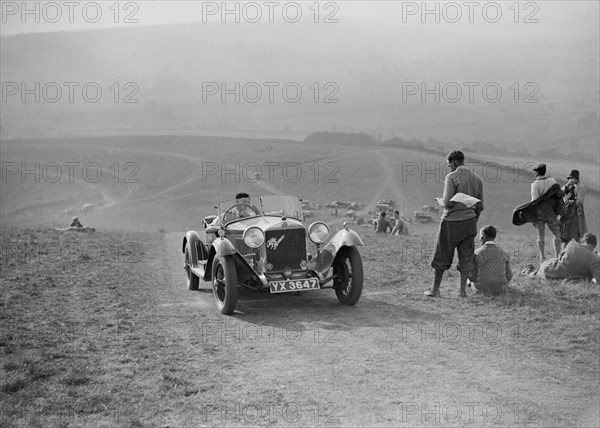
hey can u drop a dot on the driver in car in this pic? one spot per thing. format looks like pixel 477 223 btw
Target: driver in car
pixel 243 207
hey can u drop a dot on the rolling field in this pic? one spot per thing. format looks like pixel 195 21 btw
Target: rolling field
pixel 100 330
pixel 170 183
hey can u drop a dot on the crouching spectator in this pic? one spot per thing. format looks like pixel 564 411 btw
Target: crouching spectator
pixel 75 222
pixel 492 271
pixel 576 261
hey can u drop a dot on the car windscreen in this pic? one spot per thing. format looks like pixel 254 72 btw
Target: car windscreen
pixel 253 204
pixel 290 206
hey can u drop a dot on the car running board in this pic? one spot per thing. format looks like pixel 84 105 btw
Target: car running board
pixel 199 272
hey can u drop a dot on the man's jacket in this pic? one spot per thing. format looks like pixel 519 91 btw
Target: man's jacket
pixel 549 202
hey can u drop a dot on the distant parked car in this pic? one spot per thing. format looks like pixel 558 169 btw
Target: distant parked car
pixel 422 217
pixel 430 208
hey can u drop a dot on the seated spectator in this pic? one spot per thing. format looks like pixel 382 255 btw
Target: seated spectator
pixel 576 261
pixel 382 224
pixel 492 270
pixel 400 228
pixel 75 222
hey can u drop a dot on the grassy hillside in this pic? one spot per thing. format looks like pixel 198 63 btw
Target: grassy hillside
pixel 152 183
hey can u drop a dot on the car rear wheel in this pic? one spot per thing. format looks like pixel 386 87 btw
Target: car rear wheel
pixel 224 282
pixel 192 281
pixel 348 276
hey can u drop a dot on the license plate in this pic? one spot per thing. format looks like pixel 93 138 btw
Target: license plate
pixel 294 285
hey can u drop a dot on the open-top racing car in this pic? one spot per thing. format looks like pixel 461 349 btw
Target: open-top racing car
pixel 263 245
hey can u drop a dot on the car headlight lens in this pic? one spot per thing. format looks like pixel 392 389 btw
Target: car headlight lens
pixel 318 232
pixel 254 237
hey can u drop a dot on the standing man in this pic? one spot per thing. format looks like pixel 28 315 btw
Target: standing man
pixel 458 226
pixel 546 212
pixel 573 224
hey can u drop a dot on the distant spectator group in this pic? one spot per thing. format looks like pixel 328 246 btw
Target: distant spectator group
pixel 396 226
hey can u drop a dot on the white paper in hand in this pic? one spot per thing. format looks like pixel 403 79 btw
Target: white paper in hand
pixel 463 198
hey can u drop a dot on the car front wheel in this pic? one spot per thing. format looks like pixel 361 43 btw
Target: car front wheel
pixel 224 280
pixel 348 276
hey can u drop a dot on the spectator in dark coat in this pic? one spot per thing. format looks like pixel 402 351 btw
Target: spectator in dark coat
pixel 544 209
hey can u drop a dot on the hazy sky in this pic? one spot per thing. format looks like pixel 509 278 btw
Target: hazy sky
pixel 554 18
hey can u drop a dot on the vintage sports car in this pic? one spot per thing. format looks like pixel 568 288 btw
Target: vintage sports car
pixel 263 245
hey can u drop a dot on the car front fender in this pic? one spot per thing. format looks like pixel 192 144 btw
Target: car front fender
pixel 344 238
pixel 223 247
pixel 193 239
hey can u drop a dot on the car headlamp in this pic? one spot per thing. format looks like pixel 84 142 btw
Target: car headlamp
pixel 318 232
pixel 254 237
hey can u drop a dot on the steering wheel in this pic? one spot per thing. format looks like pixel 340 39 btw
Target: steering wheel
pixel 238 211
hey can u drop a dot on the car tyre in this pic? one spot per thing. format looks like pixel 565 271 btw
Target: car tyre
pixel 192 281
pixel 348 273
pixel 224 280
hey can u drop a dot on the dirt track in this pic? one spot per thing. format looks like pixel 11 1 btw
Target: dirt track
pixel 305 360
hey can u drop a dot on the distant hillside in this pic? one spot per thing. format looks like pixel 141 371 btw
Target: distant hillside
pixel 166 69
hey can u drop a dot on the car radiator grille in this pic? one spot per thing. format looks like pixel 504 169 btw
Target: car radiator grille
pixel 242 248
pixel 285 248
